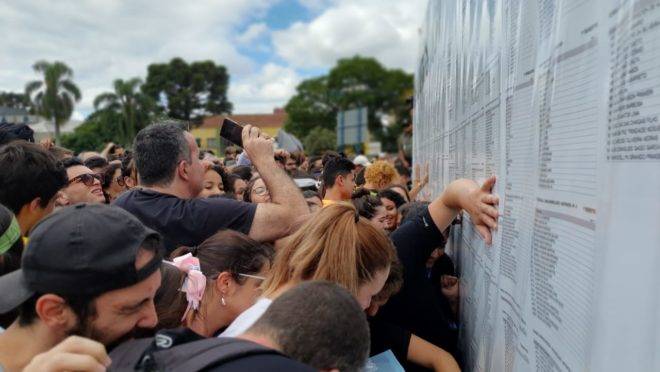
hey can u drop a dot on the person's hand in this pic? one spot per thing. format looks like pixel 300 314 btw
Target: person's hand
pixel 425 178
pixel 258 147
pixel 73 354
pixel 450 289
pixel 108 147
pixel 482 206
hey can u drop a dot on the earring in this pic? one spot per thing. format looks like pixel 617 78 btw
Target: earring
pixel 222 299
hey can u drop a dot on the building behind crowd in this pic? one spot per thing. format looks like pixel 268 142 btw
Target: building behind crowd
pixel 42 127
pixel 208 134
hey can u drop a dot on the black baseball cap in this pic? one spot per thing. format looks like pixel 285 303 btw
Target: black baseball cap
pixel 82 250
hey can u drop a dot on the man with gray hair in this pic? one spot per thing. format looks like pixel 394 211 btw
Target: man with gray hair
pixel 171 176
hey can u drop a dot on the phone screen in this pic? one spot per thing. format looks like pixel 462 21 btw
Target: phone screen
pixel 232 131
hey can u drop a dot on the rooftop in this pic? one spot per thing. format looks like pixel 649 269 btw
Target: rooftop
pixel 274 120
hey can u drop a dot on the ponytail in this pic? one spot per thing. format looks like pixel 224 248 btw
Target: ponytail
pixel 335 246
pixel 226 251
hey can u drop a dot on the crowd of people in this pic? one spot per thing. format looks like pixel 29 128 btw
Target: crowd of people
pixel 165 257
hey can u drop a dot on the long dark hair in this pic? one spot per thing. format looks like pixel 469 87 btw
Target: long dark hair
pixel 229 183
pixel 393 196
pixel 226 251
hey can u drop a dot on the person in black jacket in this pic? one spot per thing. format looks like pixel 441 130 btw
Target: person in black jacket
pixel 418 307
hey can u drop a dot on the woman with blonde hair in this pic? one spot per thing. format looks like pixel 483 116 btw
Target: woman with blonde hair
pixel 380 175
pixel 338 246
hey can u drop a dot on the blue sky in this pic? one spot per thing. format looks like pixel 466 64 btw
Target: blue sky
pixel 268 46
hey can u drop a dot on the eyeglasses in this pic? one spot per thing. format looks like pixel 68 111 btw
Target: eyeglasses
pixel 87 179
pixel 260 191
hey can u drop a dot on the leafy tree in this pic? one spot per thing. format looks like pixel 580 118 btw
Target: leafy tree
pixel 319 140
pixel 133 106
pixel 310 108
pixel 14 100
pixel 188 91
pixel 353 82
pixel 55 95
pixel 98 129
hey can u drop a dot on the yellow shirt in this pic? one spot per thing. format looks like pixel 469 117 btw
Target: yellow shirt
pixel 327 202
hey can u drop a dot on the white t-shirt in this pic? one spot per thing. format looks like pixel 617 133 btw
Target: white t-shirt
pixel 247 318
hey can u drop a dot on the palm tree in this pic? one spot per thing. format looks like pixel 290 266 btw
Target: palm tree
pixel 128 100
pixel 55 95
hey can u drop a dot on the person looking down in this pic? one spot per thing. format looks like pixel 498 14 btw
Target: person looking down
pixel 336 245
pixel 89 270
pixel 206 287
pixel 30 180
pixel 418 307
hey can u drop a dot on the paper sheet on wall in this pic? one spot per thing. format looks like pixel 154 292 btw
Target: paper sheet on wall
pixel 561 100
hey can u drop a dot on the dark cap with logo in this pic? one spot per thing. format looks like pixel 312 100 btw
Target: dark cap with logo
pixel 82 250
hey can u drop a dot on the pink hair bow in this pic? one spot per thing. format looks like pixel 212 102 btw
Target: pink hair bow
pixel 195 281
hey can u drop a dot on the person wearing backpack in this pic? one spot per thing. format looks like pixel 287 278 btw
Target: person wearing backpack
pixel 315 325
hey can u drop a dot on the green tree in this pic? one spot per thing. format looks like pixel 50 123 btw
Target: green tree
pixel 310 108
pixel 98 129
pixel 134 107
pixel 14 100
pixel 55 95
pixel 188 91
pixel 353 82
pixel 319 140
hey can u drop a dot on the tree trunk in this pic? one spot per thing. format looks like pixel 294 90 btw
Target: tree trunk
pixel 57 132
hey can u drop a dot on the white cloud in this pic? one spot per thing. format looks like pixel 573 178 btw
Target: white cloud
pixel 385 29
pixel 105 40
pixel 261 92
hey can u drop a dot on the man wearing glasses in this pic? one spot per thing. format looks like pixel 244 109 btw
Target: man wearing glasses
pixel 84 186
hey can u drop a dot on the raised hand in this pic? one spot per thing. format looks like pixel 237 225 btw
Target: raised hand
pixel 482 207
pixel 258 146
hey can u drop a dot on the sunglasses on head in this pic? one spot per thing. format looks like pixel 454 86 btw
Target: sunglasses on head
pixel 87 179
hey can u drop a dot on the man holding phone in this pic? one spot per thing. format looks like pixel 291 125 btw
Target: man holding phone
pixel 171 176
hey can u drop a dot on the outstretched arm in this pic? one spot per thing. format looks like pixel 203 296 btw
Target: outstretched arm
pixel 465 194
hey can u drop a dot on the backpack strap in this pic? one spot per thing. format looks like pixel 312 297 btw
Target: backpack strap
pixel 207 353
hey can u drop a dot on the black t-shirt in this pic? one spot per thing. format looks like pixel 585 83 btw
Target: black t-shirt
pixel 386 336
pixel 186 221
pixel 418 307
pixel 263 362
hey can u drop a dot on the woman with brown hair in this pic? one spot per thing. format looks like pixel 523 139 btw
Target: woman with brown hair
pixel 338 246
pixel 208 286
pixel 256 192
